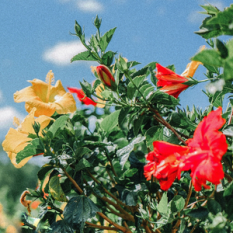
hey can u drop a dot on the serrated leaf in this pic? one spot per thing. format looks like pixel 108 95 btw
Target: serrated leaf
pixel 84 56
pixel 78 210
pixel 163 205
pixel 155 133
pixel 110 121
pixel 137 124
pixel 199 213
pixel 228 65
pixel 209 57
pixel 86 87
pixel 123 154
pixel 211 10
pixel 34 147
pixel 177 204
pixel 107 58
pixel 122 116
pixel 61 226
pixel 106 38
pixel 56 190
pixel 131 90
pixel 228 190
pixel 163 98
pixel 83 163
pixel 60 123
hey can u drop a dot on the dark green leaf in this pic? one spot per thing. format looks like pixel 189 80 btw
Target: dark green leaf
pixel 34 147
pixel 228 190
pixel 213 206
pixel 199 213
pixel 106 38
pixel 221 48
pixel 129 197
pixel 153 134
pixel 61 226
pixel 42 172
pixel 122 116
pixel 84 56
pixel 163 98
pixel 110 121
pixel 107 58
pixel 78 210
pixel 86 87
pixel 83 163
pixel 131 90
pixel 228 65
pixel 60 123
pixel 137 124
pixel 123 154
pixel 79 152
pixel 56 190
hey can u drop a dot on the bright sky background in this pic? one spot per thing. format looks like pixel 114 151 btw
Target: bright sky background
pixel 35 38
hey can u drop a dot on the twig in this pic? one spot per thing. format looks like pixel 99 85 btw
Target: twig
pixel 194 227
pixel 101 227
pixel 189 194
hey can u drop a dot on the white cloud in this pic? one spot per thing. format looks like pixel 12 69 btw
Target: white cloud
pixel 61 53
pixel 89 6
pixel 86 5
pixel 7 115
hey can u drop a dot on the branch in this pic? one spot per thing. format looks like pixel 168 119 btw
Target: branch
pixel 101 227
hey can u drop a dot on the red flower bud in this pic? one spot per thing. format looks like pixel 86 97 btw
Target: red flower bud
pixel 106 76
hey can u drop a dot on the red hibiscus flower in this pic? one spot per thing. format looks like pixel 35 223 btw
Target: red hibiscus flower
pixel 81 96
pixel 170 82
pixel 207 147
pixel 164 162
pixel 202 155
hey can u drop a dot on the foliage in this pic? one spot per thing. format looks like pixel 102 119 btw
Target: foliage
pixel 135 171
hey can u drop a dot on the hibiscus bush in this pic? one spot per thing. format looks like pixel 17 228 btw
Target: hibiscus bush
pixel 148 165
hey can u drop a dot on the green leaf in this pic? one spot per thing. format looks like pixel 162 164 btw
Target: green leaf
pixel 42 172
pixel 56 190
pixel 177 203
pixel 86 87
pixel 129 197
pixel 110 121
pixel 78 210
pixel 221 48
pixel 107 58
pixel 61 226
pixel 83 163
pixel 163 98
pixel 182 226
pixel 106 38
pixel 137 124
pixel 34 147
pixel 228 66
pixel 163 205
pixel 209 57
pixel 60 123
pixel 155 133
pixel 84 56
pixel 199 213
pixel 228 190
pixel 130 172
pixel 131 90
pixel 213 206
pixel 123 154
pixel 211 10
pixel 79 152
pixel 122 116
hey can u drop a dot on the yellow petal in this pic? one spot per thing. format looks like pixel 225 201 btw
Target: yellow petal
pixel 46 98
pixel 192 67
pixel 98 90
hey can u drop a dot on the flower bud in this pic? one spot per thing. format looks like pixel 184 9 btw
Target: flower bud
pixel 78 29
pixel 106 76
pixel 97 22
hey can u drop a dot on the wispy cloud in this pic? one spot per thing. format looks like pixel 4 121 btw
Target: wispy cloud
pixel 1 96
pixel 7 115
pixel 89 6
pixel 62 52
pixel 92 6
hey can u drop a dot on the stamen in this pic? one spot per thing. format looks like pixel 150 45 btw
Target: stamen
pixel 50 80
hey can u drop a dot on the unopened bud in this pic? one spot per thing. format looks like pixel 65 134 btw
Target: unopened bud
pixel 97 22
pixel 78 29
pixel 106 76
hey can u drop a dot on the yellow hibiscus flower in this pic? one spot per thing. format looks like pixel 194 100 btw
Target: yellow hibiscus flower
pixel 46 98
pixel 17 139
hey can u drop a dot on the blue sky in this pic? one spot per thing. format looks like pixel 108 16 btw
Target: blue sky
pixel 35 38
